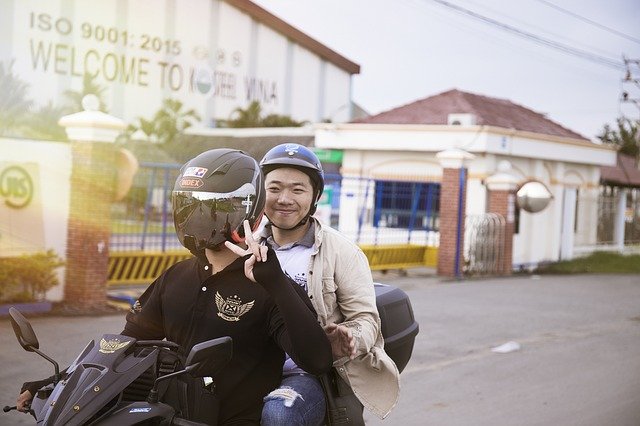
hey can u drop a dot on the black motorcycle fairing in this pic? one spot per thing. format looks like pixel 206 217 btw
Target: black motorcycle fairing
pixel 40 401
pixel 97 376
pixel 136 412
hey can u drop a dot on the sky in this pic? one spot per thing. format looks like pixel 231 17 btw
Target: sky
pixel 412 49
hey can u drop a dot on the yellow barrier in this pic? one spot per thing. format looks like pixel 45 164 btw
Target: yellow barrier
pixel 400 256
pixel 143 267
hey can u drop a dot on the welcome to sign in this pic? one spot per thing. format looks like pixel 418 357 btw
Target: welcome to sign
pixel 201 52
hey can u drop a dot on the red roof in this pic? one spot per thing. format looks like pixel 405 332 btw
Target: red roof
pixel 488 111
pixel 624 173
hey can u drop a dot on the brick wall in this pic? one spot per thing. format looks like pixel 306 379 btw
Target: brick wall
pixel 450 238
pixel 92 186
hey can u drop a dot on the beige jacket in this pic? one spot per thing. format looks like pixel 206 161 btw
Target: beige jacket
pixel 341 290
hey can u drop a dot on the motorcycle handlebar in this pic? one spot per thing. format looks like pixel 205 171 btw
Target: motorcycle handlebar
pixel 161 343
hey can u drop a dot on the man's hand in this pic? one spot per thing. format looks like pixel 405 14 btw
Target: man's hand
pixel 258 252
pixel 23 403
pixel 342 341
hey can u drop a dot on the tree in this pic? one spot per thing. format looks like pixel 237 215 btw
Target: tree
pixel 43 123
pixel 626 137
pixel 169 121
pixel 89 87
pixel 17 114
pixel 147 127
pixel 277 120
pixel 173 119
pixel 15 105
pixel 252 117
pixel 249 117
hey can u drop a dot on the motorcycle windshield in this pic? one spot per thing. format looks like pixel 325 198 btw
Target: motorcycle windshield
pixel 99 374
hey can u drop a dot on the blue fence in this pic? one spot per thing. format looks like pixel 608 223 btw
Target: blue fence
pixel 143 220
pixel 370 211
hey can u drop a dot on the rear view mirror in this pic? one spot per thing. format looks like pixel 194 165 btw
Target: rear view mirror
pixel 23 330
pixel 210 357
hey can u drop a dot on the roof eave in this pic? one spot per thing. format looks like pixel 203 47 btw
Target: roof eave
pixel 295 34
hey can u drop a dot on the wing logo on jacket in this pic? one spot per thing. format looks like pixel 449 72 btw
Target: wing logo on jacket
pixel 232 308
pixel 110 346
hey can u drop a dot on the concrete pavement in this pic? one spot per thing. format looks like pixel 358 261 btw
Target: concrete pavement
pixel 579 362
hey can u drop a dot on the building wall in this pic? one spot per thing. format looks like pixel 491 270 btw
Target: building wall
pixel 206 53
pixel 337 106
pixel 305 79
pixel 408 153
pixel 42 225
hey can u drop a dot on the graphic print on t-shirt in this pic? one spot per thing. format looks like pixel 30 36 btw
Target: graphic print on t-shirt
pixel 294 262
pixel 300 278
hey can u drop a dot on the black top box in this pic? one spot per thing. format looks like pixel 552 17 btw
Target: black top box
pixel 399 327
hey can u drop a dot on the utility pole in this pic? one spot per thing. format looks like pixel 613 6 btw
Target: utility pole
pixel 631 82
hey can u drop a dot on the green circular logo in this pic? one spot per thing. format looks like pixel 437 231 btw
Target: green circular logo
pixel 16 187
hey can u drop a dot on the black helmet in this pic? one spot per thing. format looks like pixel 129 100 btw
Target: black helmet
pixel 213 194
pixel 298 157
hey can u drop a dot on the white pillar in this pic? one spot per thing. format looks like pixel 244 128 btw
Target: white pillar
pixel 618 224
pixel 568 223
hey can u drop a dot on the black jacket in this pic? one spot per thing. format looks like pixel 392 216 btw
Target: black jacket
pixel 188 305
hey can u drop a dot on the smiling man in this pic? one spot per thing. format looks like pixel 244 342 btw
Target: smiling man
pixel 335 274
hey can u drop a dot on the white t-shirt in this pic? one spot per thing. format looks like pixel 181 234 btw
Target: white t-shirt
pixel 294 260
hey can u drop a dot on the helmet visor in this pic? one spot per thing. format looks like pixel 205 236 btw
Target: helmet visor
pixel 210 217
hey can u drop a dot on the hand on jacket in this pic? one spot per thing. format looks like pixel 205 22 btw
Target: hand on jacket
pixel 343 343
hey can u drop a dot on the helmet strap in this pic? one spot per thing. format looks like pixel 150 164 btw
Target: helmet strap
pixel 298 225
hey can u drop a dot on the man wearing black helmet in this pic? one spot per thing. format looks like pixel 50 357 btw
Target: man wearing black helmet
pixel 335 274
pixel 218 198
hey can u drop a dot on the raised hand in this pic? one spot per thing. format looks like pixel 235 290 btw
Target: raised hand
pixel 258 252
pixel 342 341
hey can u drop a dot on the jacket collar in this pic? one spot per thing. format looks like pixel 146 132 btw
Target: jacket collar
pixel 308 240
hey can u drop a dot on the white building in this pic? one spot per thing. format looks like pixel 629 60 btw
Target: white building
pixel 212 55
pixel 401 144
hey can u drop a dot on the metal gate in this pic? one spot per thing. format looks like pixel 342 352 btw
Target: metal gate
pixel 484 244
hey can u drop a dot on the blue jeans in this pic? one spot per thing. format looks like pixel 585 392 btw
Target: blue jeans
pixel 298 401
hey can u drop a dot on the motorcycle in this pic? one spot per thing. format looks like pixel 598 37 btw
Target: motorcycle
pixel 120 380
pixel 117 381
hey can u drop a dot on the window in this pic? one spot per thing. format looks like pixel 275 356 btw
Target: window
pixel 410 205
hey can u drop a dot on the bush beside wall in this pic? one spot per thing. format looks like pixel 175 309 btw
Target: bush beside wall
pixel 27 278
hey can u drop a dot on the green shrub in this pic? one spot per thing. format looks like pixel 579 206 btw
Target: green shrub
pixel 598 262
pixel 27 278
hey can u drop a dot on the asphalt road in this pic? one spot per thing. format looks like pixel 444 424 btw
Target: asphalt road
pixel 578 362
